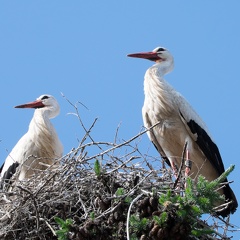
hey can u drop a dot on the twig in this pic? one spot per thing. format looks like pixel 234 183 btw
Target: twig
pixel 120 166
pixel 206 226
pixel 181 166
pixel 122 144
pixel 34 203
pixel 128 214
pixel 50 227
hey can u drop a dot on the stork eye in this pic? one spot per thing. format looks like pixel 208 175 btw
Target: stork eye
pixel 44 97
pixel 161 49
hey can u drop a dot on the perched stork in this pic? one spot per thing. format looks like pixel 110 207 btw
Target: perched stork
pixel 178 124
pixel 39 147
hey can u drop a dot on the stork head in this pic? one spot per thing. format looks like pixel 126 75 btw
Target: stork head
pixel 160 55
pixel 45 103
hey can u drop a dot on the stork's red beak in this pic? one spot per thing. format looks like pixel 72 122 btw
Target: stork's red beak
pixel 35 104
pixel 153 56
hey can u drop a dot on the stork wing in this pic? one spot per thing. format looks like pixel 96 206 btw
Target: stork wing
pixel 148 124
pixel 197 129
pixel 7 172
pixel 12 161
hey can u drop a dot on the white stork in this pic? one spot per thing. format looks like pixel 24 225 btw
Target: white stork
pixel 39 145
pixel 178 124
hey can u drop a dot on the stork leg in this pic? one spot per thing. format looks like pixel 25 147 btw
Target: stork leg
pixel 188 164
pixel 174 167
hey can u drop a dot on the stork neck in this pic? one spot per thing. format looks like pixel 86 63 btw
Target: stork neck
pixel 157 91
pixel 41 122
pixel 163 67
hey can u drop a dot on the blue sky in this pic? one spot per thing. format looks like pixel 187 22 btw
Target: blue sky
pixel 79 48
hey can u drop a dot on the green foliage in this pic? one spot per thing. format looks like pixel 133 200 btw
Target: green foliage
pixel 200 232
pixel 92 215
pixel 162 220
pixel 121 192
pixel 128 200
pixel 138 225
pixel 224 175
pixel 64 228
pixel 204 196
pixel 199 199
pixel 97 168
pixel 169 197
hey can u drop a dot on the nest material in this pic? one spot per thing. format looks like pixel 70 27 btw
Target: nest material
pixel 98 204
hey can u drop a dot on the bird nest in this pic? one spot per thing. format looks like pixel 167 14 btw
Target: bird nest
pixel 111 194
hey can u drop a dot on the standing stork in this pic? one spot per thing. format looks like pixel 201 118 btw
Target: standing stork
pixel 178 124
pixel 39 147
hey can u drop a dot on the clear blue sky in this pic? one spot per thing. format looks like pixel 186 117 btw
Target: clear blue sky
pixel 79 48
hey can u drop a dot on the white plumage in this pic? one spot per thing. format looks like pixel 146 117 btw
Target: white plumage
pixel 178 124
pixel 39 145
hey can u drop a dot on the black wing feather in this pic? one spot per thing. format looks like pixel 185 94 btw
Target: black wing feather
pixel 8 174
pixel 211 151
pixel 208 147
